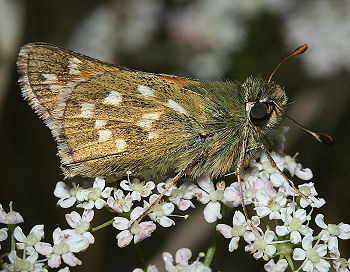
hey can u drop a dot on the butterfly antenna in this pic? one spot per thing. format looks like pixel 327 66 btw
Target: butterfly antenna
pixel 298 51
pixel 319 136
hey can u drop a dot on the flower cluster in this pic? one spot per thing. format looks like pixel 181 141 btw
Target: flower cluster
pixel 182 263
pixel 37 255
pixel 278 230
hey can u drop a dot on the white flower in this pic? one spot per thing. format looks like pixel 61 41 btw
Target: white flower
pixel 330 232
pixel 312 256
pixel 64 247
pixel 271 206
pixel 28 264
pixel 308 189
pixel 208 195
pixel 3 235
pixel 81 224
pixel 341 265
pixel 280 266
pixel 119 202
pixel 96 195
pixel 138 189
pixel 11 217
pixel 69 195
pixel 293 224
pixel 182 258
pixel 160 212
pixel 33 238
pixel 232 196
pixel 180 196
pixel 267 169
pixel 239 229
pixel 254 184
pixel 130 229
pixel 262 246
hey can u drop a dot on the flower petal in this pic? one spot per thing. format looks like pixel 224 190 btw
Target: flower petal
pixel 61 190
pixel 43 248
pixel 166 222
pixel 238 218
pixel 298 254
pixel 70 259
pixel 212 212
pixel 66 203
pixel 77 242
pixel 121 223
pixel 124 238
pixel 305 173
pixel 322 266
pixel 3 234
pixel 225 230
pixel 233 245
pixel 19 235
pixel 307 242
pixel 183 255
pixel 319 219
pixel 99 204
pixel 168 208
pixel 73 218
pixel 282 230
pixel 168 260
pixel 54 261
pixel 344 231
pixel 205 182
pixel 270 250
pixel 99 183
pixel 295 237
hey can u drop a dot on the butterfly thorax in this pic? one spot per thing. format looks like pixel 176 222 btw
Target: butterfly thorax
pixel 230 116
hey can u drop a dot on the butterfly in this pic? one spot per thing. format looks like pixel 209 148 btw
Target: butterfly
pixel 108 119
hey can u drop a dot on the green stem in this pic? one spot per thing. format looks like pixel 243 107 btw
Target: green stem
pixel 290 262
pixel 212 247
pixel 106 224
pixel 140 257
pixel 11 228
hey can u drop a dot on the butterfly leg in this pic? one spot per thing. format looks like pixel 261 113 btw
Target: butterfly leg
pixel 172 182
pixel 239 170
pixel 274 165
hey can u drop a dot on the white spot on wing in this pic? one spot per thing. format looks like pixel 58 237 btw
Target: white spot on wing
pixel 152 135
pixel 100 123
pixel 114 98
pixel 73 66
pixel 87 110
pixel 145 91
pixel 120 144
pixel 50 78
pixel 174 105
pixel 54 88
pixel 147 120
pixel 104 135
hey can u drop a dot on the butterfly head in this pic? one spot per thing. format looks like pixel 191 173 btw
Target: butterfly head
pixel 265 102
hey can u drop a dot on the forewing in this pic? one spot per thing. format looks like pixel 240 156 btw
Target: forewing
pixel 108 119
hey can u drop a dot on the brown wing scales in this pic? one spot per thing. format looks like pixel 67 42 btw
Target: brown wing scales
pixel 108 119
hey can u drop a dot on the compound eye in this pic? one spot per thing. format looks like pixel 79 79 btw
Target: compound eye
pixel 260 113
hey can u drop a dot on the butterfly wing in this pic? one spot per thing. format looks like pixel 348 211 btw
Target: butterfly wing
pixel 108 119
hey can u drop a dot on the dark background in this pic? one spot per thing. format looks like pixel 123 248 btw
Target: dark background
pixel 203 39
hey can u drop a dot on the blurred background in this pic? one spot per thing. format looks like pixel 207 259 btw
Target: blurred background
pixel 205 39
